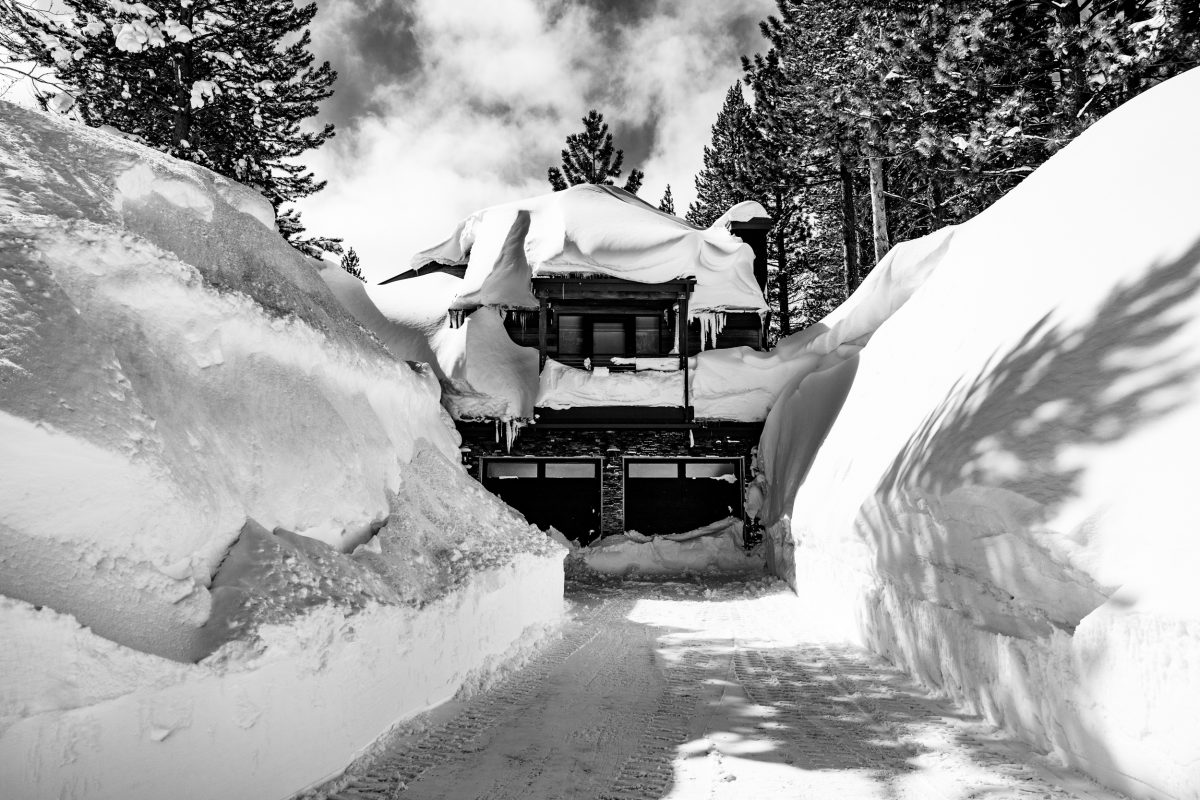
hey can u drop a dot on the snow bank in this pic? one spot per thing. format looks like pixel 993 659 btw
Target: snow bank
pixel 205 457
pixel 483 373
pixel 163 383
pixel 715 548
pixel 408 327
pixel 991 492
pixel 597 230
pixel 83 717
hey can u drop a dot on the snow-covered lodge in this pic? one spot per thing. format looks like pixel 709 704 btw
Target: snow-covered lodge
pixel 586 357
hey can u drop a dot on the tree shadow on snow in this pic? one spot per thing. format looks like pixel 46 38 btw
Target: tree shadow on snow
pixel 960 519
pixel 802 711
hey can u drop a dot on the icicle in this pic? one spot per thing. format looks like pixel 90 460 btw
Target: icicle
pixel 711 325
pixel 512 427
pixel 457 317
pixel 691 438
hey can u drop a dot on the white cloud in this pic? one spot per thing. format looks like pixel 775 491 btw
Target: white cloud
pixel 497 86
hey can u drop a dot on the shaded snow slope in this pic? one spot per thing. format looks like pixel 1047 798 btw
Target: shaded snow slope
pixel 996 490
pixel 599 230
pixel 171 367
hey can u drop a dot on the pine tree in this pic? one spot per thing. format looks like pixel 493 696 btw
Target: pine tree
pixel 930 110
pixel 589 157
pixel 727 176
pixel 350 263
pixel 223 83
pixel 667 204
pixel 982 92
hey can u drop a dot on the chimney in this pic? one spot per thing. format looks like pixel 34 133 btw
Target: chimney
pixel 754 233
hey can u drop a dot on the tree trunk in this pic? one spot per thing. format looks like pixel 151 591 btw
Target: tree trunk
pixel 935 205
pixel 182 128
pixel 785 312
pixel 879 208
pixel 1067 14
pixel 849 232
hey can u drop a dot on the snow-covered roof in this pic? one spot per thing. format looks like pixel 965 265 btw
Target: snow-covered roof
pixel 597 230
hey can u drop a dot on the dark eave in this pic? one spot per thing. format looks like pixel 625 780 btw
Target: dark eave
pixel 555 288
pixel 754 224
pixel 457 270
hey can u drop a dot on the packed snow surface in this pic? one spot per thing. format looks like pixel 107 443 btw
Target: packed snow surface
pixel 995 490
pixel 594 230
pixel 705 689
pixel 206 458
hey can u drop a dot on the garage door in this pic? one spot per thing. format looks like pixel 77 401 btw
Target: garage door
pixel 563 492
pixel 680 494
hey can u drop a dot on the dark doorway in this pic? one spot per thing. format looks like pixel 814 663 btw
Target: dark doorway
pixel 563 492
pixel 674 495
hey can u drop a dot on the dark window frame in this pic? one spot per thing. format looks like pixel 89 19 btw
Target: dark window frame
pixel 541 462
pixel 739 463
pixel 587 321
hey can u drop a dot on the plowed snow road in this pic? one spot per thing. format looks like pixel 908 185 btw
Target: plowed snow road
pixel 682 690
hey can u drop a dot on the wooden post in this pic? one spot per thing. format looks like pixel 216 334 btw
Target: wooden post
pixel 541 333
pixel 681 325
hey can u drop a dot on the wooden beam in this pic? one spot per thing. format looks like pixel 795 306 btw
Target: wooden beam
pixel 682 326
pixel 542 325
pixel 576 294
pixel 615 309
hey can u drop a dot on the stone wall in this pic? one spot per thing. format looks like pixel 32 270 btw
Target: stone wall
pixel 482 440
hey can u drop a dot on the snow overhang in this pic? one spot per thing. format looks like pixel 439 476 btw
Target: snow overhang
pixel 591 230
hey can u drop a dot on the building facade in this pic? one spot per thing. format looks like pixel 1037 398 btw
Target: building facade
pixel 616 442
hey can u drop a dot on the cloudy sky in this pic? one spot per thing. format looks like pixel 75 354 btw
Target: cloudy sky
pixel 446 106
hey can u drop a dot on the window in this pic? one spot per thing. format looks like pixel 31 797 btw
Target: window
pixel 570 469
pixel 512 469
pixel 648 336
pixel 720 470
pixel 653 469
pixel 570 334
pixel 608 337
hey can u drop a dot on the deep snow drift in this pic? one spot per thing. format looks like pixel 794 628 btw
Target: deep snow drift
pixel 995 491
pixel 485 374
pixel 205 456
pixel 599 230
pixel 715 549
pixel 595 230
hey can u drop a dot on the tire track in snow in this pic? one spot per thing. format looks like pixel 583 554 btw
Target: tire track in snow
pixel 700 694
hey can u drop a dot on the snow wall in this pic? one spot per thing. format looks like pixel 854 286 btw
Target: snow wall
pixel 235 540
pixel 998 491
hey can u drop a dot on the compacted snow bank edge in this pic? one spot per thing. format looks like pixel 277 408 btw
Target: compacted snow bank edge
pixel 324 689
